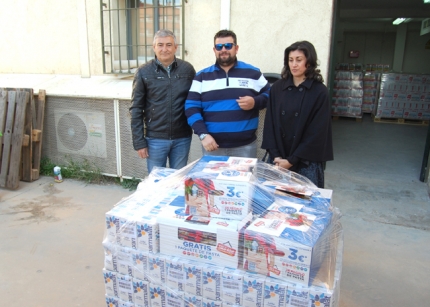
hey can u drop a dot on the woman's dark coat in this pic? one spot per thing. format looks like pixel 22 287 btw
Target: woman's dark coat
pixel 297 126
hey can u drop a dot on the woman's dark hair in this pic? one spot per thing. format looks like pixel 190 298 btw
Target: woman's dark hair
pixel 311 61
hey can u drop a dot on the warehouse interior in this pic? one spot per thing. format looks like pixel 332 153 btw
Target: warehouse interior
pixel 367 26
pixel 364 35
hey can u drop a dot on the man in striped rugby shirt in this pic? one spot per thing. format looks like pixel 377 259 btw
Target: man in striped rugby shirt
pixel 224 101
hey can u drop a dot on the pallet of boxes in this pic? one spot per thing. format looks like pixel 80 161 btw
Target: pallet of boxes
pixel 403 97
pixel 347 97
pixel 224 231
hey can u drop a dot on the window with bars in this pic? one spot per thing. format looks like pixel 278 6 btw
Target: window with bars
pixel 128 28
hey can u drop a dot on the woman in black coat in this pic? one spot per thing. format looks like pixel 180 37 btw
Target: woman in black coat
pixel 297 128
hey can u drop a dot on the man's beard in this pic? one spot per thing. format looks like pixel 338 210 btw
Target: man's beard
pixel 226 61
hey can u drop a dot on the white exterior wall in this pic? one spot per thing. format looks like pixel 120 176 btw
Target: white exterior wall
pixel 39 37
pixel 202 21
pixel 51 37
pixel 62 37
pixel 271 26
pixel 263 28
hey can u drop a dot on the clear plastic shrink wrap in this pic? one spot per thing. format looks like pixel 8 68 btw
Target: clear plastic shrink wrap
pixel 223 231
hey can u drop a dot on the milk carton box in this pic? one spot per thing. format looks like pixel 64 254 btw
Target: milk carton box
pixel 141 293
pixel 426 115
pixel 156 269
pixel 125 288
pixel 389 113
pixel 297 296
pixel 122 303
pixel 112 224
pixel 321 297
pixel 211 303
pixel 125 260
pixel 110 259
pixel 191 300
pixel 232 286
pixel 209 240
pixel 111 285
pixel 221 189
pixel 174 298
pixel 211 282
pixel 146 227
pixel 127 229
pixel 157 295
pixel 412 114
pixel 140 265
pixel 147 233
pixel 252 290
pixel 175 273
pixel 111 301
pixel 274 292
pixel 193 278
pixel 120 227
pixel 284 242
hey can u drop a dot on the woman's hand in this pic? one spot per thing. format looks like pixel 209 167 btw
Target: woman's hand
pixel 284 163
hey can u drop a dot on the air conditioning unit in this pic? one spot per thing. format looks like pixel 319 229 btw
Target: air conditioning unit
pixel 82 133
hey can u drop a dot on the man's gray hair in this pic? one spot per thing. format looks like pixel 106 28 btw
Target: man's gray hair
pixel 164 33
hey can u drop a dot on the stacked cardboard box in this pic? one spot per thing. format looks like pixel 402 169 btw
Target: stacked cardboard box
pixel 371 84
pixel 223 231
pixel 347 97
pixel 404 96
pixel 377 68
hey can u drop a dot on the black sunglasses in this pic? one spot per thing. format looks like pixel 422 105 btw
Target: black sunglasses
pixel 227 46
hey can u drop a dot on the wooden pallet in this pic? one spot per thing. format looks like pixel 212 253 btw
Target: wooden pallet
pixel 26 146
pixel 36 133
pixel 401 121
pixel 32 146
pixel 21 126
pixel 13 107
pixel 357 119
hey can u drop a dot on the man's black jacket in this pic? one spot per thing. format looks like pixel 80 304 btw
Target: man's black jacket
pixel 157 103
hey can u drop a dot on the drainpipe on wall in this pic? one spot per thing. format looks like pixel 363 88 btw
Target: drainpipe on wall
pixel 225 15
pixel 83 38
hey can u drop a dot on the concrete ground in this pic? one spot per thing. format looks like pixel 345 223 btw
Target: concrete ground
pixel 51 233
pixel 386 213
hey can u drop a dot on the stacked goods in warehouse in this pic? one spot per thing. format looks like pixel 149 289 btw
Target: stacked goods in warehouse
pixel 404 96
pixel 348 92
pixel 371 85
pixel 378 68
pixel 223 231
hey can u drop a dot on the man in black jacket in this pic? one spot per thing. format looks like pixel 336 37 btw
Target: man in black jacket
pixel 158 122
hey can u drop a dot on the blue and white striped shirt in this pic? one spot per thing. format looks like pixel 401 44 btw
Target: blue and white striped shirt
pixel 211 105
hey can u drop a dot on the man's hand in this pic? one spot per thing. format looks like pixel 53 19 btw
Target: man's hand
pixel 246 102
pixel 143 153
pixel 209 143
pixel 284 163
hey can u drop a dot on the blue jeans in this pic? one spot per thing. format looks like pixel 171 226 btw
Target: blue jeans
pixel 246 151
pixel 176 150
